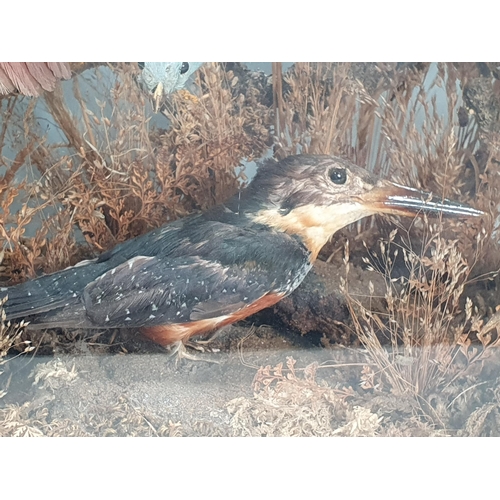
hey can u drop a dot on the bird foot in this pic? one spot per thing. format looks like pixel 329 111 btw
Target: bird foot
pixel 178 349
pixel 195 345
pixel 210 338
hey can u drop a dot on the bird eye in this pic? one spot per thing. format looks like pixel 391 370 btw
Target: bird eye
pixel 141 65
pixel 338 175
pixel 184 67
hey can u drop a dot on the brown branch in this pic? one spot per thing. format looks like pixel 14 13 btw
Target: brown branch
pixel 59 111
pixel 16 164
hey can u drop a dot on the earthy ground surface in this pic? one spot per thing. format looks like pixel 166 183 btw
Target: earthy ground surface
pixel 308 377
pixel 146 392
pixel 304 391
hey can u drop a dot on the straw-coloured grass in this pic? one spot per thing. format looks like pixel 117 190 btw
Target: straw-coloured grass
pixel 113 175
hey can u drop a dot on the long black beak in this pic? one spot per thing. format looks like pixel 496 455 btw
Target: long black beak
pixel 387 197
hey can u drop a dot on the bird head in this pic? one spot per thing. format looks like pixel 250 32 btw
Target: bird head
pixel 315 196
pixel 163 78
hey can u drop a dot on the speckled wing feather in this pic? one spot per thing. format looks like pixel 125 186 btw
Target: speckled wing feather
pixel 52 291
pixel 148 291
pixel 201 267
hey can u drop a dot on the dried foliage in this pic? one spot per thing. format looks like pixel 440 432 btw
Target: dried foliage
pixel 210 136
pixel 121 419
pixel 483 422
pixel 426 324
pixel 286 404
pixel 10 337
pixel 53 375
pixel 114 175
pixel 317 112
pixel 394 127
pixel 403 131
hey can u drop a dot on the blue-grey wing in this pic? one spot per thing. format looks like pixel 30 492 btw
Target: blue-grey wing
pixel 148 291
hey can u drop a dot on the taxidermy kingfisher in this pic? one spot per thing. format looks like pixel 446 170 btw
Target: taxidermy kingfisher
pixel 208 270
pixel 163 78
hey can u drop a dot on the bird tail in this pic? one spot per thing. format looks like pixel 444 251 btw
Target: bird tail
pixel 43 300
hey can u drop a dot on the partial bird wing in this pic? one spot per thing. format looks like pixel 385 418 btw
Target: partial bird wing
pixel 30 78
pixel 149 291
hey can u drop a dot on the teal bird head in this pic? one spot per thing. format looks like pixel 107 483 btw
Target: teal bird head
pixel 163 78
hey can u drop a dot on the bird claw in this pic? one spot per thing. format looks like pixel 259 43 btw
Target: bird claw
pixel 210 338
pixel 178 349
pixel 195 345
